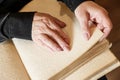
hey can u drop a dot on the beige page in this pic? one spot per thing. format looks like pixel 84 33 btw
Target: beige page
pixel 42 64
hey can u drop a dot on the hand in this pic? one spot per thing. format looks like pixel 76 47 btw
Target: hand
pixel 90 11
pixel 46 31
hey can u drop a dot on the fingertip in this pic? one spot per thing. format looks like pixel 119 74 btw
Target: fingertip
pixel 62 24
pixel 66 48
pixel 86 36
pixel 59 49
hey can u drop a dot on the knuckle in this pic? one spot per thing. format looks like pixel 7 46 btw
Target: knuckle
pixel 45 38
pixel 45 19
pixel 53 34
pixel 102 11
pixel 43 29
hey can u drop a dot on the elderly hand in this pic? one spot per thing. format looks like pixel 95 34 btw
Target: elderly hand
pixel 46 31
pixel 90 11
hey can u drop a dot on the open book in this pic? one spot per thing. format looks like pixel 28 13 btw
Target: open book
pixel 87 60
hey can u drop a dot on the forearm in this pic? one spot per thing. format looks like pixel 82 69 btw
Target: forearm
pixel 16 25
pixel 12 23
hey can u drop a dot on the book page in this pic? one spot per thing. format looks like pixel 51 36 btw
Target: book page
pixel 39 62
pixel 95 68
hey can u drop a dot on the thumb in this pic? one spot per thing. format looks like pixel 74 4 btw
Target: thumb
pixel 83 20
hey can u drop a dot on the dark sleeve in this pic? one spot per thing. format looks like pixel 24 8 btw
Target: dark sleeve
pixel 12 23
pixel 72 4
pixel 12 5
pixel 16 25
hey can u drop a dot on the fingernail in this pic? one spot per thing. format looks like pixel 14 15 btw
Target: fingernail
pixel 66 48
pixel 86 36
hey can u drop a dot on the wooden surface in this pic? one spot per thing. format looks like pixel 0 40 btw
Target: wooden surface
pixel 11 67
pixel 113 7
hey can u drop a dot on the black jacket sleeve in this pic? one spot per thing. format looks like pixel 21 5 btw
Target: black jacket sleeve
pixel 16 25
pixel 12 5
pixel 13 23
pixel 72 4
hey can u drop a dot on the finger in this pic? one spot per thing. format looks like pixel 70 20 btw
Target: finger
pixel 106 32
pixel 64 36
pixel 38 23
pixel 56 28
pixel 100 26
pixel 83 20
pixel 40 43
pixel 60 23
pixel 107 24
pixel 50 43
pixel 59 40
pixel 40 27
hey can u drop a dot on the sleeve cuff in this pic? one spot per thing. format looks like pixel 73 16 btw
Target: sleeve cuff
pixel 72 4
pixel 19 25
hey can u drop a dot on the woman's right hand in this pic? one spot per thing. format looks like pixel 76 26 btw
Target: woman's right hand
pixel 47 32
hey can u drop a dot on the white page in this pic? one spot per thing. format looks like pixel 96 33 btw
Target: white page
pixel 39 62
